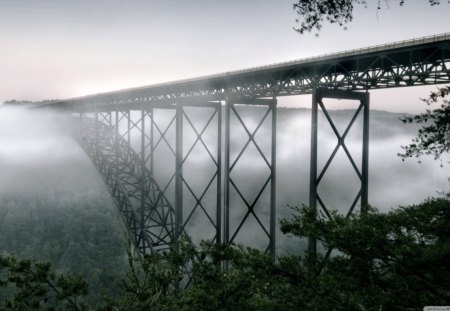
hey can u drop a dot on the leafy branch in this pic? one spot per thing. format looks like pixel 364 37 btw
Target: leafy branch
pixel 433 138
pixel 313 13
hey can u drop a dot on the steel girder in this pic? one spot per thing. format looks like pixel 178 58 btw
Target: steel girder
pixel 123 146
pixel 316 175
pixel 158 210
pixel 418 62
pixel 148 214
pixel 197 188
pixel 255 207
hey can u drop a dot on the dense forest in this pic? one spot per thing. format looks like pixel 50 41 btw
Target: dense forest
pixel 77 234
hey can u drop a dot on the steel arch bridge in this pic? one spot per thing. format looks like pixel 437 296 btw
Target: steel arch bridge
pixel 122 132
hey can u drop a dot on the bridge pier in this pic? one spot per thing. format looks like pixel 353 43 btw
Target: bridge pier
pixel 252 208
pixel 315 201
pixel 200 190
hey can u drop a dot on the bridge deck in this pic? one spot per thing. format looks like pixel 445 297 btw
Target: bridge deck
pixel 407 63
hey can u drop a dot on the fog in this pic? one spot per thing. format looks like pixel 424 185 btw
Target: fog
pixel 37 154
pixel 39 157
pixel 392 182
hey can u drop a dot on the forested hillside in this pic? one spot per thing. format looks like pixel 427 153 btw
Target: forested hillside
pixel 78 234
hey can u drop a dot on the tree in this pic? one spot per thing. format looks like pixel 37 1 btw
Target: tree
pixel 313 13
pixel 27 285
pixel 394 261
pixel 433 138
pixel 390 261
pixel 385 261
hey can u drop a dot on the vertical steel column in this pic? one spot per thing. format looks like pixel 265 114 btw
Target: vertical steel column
pixel 129 127
pixel 365 156
pixel 152 137
pixel 178 173
pixel 226 221
pixel 142 179
pixel 219 175
pixel 116 143
pixel 273 178
pixel 96 126
pixel 312 247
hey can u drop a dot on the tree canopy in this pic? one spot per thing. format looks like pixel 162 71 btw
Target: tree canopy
pixel 313 13
pixel 433 138
pixel 384 261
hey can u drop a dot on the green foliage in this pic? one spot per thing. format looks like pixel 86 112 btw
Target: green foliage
pixel 150 281
pixel 387 261
pixel 251 280
pixel 390 261
pixel 77 234
pixel 313 13
pixel 32 286
pixel 433 137
pixel 396 260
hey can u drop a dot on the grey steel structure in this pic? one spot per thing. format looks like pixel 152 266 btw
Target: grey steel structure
pixel 155 212
pixel 363 173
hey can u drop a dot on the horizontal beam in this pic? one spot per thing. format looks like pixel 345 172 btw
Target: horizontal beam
pixel 250 101
pixel 146 106
pixel 340 94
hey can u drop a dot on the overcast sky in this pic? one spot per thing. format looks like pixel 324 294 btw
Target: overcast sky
pixel 61 49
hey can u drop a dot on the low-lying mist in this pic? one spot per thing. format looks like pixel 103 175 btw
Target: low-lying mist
pixel 53 204
pixel 38 155
pixel 38 158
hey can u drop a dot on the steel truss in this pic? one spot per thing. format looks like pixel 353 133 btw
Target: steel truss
pixel 122 136
pixel 316 176
pixel 255 207
pixel 193 207
pixel 423 61
pixel 143 206
pixel 122 145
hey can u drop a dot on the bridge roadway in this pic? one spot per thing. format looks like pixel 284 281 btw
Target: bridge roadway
pixel 156 211
pixel 420 61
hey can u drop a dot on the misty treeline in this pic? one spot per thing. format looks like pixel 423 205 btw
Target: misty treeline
pixel 397 263
pixel 77 235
